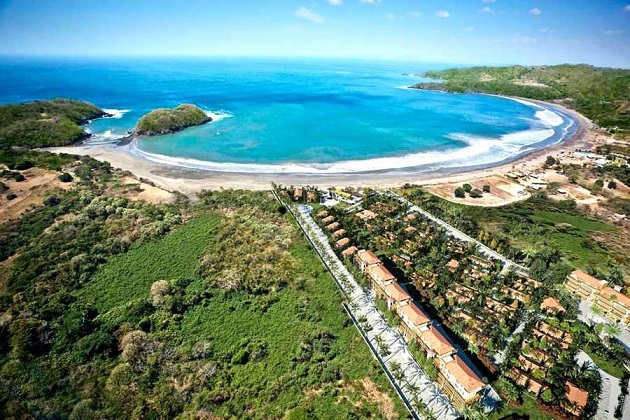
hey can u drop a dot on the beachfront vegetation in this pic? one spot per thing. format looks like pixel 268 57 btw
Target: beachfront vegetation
pixel 45 123
pixel 601 94
pixel 112 308
pixel 164 121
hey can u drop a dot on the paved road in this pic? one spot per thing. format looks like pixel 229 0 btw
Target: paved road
pixel 361 304
pixel 458 234
pixel 610 390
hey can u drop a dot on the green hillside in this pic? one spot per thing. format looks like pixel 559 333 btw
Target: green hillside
pixel 601 94
pixel 45 123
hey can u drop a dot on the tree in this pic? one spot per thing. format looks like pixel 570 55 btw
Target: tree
pixel 467 187
pixel 611 330
pixel 65 177
pixel 476 193
pixel 612 185
pixel 460 192
pixel 550 161
pixel 486 188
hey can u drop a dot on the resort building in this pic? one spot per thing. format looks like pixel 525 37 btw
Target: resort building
pixel 322 214
pixel 328 219
pixel 582 284
pixel 549 304
pixel 342 242
pixel 614 305
pixel 339 233
pixel 576 399
pixel 459 382
pixel 350 251
pixel 414 320
pixel 366 258
pixel 333 226
pixel 396 296
pixel 380 276
pixel 435 344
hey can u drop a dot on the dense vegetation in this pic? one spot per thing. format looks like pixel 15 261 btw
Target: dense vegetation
pixel 536 232
pixel 163 121
pixel 120 309
pixel 601 94
pixel 45 123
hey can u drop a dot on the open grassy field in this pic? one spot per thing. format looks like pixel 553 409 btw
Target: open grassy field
pixel 291 352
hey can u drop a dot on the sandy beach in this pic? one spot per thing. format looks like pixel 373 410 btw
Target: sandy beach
pixel 190 181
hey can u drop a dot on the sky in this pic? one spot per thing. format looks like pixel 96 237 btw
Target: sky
pixel 447 31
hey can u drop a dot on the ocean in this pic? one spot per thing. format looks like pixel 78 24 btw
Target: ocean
pixel 293 115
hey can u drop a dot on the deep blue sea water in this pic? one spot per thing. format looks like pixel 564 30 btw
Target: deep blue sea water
pixel 326 116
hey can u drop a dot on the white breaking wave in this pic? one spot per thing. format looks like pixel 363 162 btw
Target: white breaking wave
pixel 218 115
pixel 550 117
pixel 105 137
pixel 479 151
pixel 116 113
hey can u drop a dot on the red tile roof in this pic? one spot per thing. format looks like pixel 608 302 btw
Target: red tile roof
pixel 415 314
pixel 368 257
pixel 436 342
pixel 396 292
pixel 613 295
pixel 551 303
pixel 339 233
pixel 333 226
pixel 381 274
pixel 343 242
pixel 587 278
pixel 576 396
pixel 464 374
pixel 350 251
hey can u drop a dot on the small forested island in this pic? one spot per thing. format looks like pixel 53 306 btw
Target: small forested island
pixel 601 94
pixel 55 122
pixel 165 121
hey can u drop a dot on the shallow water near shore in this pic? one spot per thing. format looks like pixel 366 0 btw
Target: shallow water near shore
pixel 294 116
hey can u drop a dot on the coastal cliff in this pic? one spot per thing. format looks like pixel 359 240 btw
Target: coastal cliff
pixel 55 122
pixel 165 121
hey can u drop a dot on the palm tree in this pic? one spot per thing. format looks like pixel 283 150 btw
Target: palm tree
pixel 611 330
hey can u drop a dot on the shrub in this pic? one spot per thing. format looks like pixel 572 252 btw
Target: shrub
pixel 460 193
pixel 550 161
pixel 486 188
pixel 612 185
pixel 65 177
pixel 467 187
pixel 3 187
pixel 476 193
pixel 11 196
pixel 19 178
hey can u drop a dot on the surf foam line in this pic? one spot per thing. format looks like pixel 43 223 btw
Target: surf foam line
pixel 477 152
pixel 116 113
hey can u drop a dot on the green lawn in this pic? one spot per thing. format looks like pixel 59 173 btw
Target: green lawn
pixel 528 408
pixel 579 222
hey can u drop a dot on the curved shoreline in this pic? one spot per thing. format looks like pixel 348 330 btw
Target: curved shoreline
pixel 478 153
pixel 191 180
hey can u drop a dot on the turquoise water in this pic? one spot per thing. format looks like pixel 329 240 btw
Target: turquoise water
pixel 310 116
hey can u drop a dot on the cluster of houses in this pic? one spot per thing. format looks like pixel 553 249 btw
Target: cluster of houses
pixel 407 238
pixel 455 376
pixel 613 304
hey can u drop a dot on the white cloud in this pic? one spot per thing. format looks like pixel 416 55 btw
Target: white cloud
pixel 614 32
pixel 535 12
pixel 469 29
pixel 544 30
pixel 442 14
pixel 488 1
pixel 308 14
pixel 487 10
pixel 627 8
pixel 370 1
pixel 335 2
pixel 415 14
